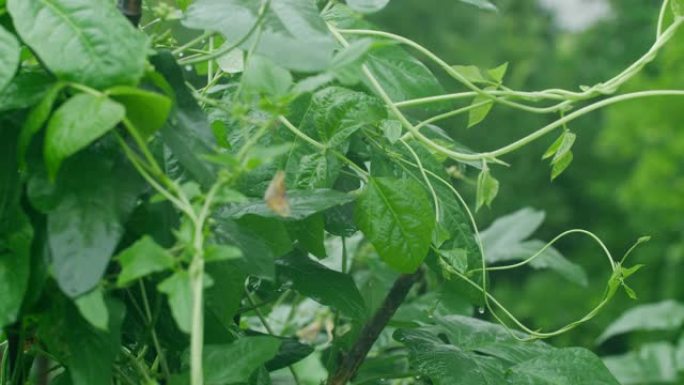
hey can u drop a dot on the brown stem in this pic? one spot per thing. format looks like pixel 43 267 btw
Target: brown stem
pixel 356 356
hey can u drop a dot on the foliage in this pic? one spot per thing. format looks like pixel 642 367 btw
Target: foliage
pixel 163 188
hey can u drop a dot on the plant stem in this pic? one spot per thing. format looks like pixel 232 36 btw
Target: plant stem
pixel 396 296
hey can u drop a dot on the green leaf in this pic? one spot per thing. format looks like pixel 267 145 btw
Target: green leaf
pixel 479 113
pixel 397 218
pixel 367 6
pixel 498 73
pixel 9 57
pixel 303 203
pixel 346 64
pixel 652 363
pixel 310 235
pixel 561 164
pixel 245 355
pixel 223 298
pixel 216 253
pixel 90 40
pixel 506 240
pixel 328 287
pixel 471 73
pixel 77 123
pixel 568 366
pixel 677 7
pixel 260 260
pixel 187 132
pixel 564 147
pixel 487 189
pixel 88 353
pixel 97 191
pixel 142 258
pixel 177 288
pixel 36 120
pixel 666 315
pixel 146 110
pixel 291 351
pixel 264 76
pixel 15 263
pixel 93 308
pixel 401 75
pixel 292 34
pixel 392 130
pixel 25 90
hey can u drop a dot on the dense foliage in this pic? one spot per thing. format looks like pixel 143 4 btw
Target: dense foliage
pixel 258 192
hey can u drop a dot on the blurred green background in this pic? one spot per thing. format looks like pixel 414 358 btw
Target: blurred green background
pixel 627 179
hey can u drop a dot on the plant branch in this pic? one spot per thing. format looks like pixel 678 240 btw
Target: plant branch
pixel 396 296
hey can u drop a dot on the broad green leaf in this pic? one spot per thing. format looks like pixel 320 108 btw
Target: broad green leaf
pixel 187 132
pixel 666 315
pixel 652 363
pixel 97 191
pixel 88 353
pixel 677 7
pixel 303 203
pixel 259 260
pixel 560 164
pixel 292 34
pixel 274 232
pixel 223 298
pixel 9 57
pixel 36 120
pixel 367 6
pixel 498 73
pixel 328 287
pixel 146 110
pixel 312 170
pixel 291 351
pixel 90 41
pixel 568 366
pixel 77 123
pixel 15 262
pixel 456 258
pixel 25 90
pixel 560 146
pixel 397 218
pixel 510 230
pixel 234 363
pixel 264 76
pixel 487 189
pixel 310 235
pixel 401 75
pixel 177 288
pixel 93 308
pixel 232 62
pixel 142 258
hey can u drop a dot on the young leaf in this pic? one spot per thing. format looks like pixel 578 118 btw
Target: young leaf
pixel 93 308
pixel 487 189
pixel 177 288
pixel 397 218
pixel 367 6
pixel 89 42
pixel 498 73
pixel 77 123
pixel 146 110
pixel 482 107
pixel 391 129
pixel 141 259
pixel 328 287
pixel 561 164
pixel 471 73
pixel 9 57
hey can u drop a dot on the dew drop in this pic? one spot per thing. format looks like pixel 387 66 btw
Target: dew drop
pixel 188 68
pixel 481 310
pixel 180 54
